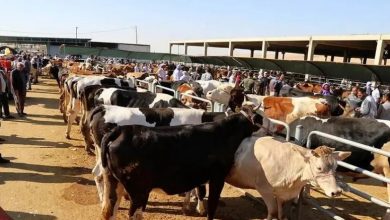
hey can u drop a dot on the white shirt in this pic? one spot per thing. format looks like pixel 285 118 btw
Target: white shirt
pixel 177 74
pixel 368 108
pixel 186 78
pixel 162 74
pixel 206 76
pixel 376 95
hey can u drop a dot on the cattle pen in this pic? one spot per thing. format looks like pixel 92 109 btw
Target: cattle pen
pixel 58 170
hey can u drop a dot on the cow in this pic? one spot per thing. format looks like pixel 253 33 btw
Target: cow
pixel 365 131
pixel 293 92
pixel 173 159
pixel 286 109
pixel 309 87
pixel 193 89
pixel 69 92
pixel 260 163
pixel 103 118
pixel 210 85
pixel 95 95
pixel 79 86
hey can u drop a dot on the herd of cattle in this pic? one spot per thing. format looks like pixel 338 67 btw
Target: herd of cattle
pixel 146 141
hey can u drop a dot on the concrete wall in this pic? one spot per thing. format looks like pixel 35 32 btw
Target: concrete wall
pixel 137 48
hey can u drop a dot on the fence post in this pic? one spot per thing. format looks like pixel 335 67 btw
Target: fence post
pixel 298 133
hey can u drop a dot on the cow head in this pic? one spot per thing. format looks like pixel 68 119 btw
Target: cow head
pixel 321 166
pixel 237 97
pixel 221 94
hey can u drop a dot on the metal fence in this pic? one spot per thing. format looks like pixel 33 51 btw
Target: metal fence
pixel 351 167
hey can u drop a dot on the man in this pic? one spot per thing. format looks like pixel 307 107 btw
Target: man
pixel 248 84
pixel 384 108
pixel 207 75
pixel 18 83
pixel 376 94
pixel 162 72
pixel 368 108
pixel 27 71
pixel 177 73
pixel 4 97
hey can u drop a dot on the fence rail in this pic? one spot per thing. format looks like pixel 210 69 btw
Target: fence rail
pixel 355 168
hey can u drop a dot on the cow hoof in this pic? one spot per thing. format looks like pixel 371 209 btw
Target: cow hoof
pixel 67 136
pixel 200 208
pixel 127 197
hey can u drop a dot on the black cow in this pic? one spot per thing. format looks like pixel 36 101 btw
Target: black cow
pixel 103 118
pixel 174 159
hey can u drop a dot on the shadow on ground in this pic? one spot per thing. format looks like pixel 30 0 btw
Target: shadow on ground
pixel 29 216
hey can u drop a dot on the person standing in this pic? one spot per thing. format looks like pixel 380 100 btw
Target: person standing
pixel 368 108
pixel 248 84
pixel 177 73
pixel 4 97
pixel 162 73
pixel 207 75
pixel 18 83
pixel 384 108
pixel 27 71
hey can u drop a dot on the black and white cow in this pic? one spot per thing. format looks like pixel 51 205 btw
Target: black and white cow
pixel 79 86
pixel 103 118
pixel 174 159
pixel 366 131
pixel 95 96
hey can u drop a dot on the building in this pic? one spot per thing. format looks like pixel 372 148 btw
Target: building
pixel 51 45
pixel 364 48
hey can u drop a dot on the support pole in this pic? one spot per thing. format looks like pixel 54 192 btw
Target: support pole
pixel 264 48
pixel 332 58
pixel 380 49
pixel 252 53
pixel 170 48
pixel 205 46
pixel 231 49
pixel 345 58
pixel 310 50
pixel 185 49
pixel 276 54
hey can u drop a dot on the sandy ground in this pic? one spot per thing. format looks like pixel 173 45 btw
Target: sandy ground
pixel 49 177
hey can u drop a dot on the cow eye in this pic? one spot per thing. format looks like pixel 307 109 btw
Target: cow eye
pixel 319 168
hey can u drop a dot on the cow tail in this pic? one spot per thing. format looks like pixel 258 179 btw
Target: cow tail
pixel 107 139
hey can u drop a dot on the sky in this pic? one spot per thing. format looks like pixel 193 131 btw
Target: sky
pixel 161 21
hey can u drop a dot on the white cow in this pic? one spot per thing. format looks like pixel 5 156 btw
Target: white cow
pixel 278 170
pixel 222 95
pixel 210 85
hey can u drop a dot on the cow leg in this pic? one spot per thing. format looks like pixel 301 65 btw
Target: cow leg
pixel 98 176
pixel 86 132
pixel 139 199
pixel 72 116
pixel 270 201
pixel 215 189
pixel 112 196
pixel 200 194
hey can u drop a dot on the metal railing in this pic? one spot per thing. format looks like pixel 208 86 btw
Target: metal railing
pixel 138 82
pixel 354 168
pixel 167 89
pixel 198 98
pixel 274 121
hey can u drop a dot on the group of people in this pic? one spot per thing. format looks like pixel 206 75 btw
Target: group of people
pixel 16 75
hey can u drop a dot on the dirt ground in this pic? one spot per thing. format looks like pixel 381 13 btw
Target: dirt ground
pixel 50 176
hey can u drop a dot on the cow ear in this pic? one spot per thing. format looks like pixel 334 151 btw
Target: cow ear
pixel 341 155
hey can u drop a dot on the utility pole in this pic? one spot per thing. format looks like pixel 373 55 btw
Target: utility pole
pixel 136 35
pixel 76 31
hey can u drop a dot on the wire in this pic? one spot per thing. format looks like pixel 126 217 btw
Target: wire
pixel 70 33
